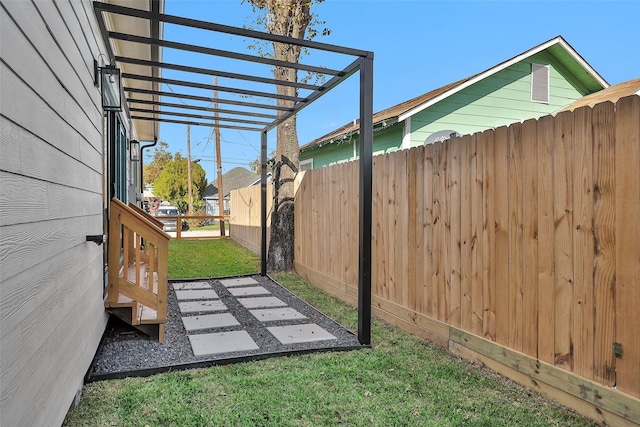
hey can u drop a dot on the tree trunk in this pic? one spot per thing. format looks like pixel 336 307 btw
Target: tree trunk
pixel 281 245
pixel 288 18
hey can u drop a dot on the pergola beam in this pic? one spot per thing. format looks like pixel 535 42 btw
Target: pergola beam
pixel 200 108
pixel 206 99
pixel 210 87
pixel 197 116
pixel 206 71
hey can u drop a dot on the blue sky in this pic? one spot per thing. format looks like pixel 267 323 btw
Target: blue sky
pixel 418 46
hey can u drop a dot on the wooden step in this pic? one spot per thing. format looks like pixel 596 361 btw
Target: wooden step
pixel 148 316
pixel 154 330
pixel 123 301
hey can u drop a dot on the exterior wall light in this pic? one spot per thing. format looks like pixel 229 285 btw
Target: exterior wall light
pixel 134 150
pixel 111 88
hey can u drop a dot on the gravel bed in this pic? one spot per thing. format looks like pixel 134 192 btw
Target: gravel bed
pixel 127 352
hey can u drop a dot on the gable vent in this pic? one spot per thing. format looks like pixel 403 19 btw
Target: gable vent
pixel 540 83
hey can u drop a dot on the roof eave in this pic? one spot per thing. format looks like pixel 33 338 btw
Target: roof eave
pixel 386 123
pixel 144 130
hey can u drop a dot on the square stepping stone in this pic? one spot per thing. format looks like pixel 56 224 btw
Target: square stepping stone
pixel 261 302
pixel 241 281
pixel 208 321
pixel 274 314
pixel 254 290
pixel 191 285
pixel 221 342
pixel 202 306
pixel 300 333
pixel 193 294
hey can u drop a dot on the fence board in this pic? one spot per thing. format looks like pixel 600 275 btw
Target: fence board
pixel 486 140
pixel 393 232
pixel 412 198
pixel 604 234
pixel 375 225
pixel 563 242
pixel 386 228
pixel 438 234
pixel 530 238
pixel 418 229
pixel 477 298
pixel 446 242
pixel 402 209
pixel 354 223
pixel 583 252
pixel 627 194
pixel 428 226
pixel 545 240
pixel 466 290
pixel 501 187
pixel 515 225
pixel 454 193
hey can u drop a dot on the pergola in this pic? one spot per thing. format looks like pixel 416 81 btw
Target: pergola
pixel 139 58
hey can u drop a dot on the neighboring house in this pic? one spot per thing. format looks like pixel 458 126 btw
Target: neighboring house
pixel 62 158
pixel 540 81
pixel 233 179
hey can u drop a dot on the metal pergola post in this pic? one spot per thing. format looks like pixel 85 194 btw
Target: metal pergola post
pixel 365 215
pixel 263 204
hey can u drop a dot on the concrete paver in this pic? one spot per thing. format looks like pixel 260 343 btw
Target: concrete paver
pixel 241 281
pixel 261 302
pixel 208 321
pixel 202 306
pixel 191 285
pixel 275 314
pixel 193 294
pixel 243 292
pixel 300 333
pixel 221 342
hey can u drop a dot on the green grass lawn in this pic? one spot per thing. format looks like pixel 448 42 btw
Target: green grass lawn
pixel 210 258
pixel 215 226
pixel 400 381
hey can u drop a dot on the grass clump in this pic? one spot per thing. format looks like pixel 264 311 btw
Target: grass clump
pixel 191 259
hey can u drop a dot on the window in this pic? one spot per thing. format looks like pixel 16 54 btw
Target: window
pixel 306 165
pixel 540 83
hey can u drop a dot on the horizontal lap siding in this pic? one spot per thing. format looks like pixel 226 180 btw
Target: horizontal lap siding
pixel 525 236
pixel 51 163
pixel 497 100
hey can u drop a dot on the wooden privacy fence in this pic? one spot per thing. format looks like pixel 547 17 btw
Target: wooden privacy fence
pixel 518 247
pixel 245 216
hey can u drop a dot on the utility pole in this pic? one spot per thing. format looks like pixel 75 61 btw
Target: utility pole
pixel 220 191
pixel 189 189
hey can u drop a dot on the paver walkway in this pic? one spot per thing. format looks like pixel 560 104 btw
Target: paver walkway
pixel 219 321
pixel 213 328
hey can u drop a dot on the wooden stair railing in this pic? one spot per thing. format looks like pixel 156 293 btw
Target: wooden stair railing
pixel 138 262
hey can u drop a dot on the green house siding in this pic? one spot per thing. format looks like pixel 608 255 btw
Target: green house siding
pixel 384 141
pixel 329 154
pixel 500 99
pixel 388 140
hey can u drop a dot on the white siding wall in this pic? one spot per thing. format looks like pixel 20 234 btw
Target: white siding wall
pixel 51 186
